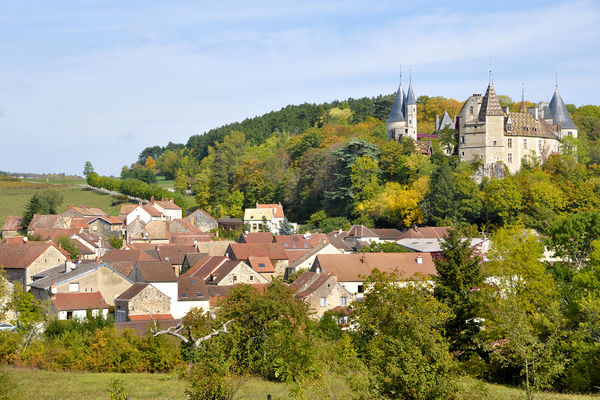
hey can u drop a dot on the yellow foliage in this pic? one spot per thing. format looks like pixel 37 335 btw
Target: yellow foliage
pixel 150 163
pixel 399 204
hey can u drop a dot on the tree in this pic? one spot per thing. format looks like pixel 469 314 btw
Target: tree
pixel 264 227
pixel 399 328
pixel 502 200
pixel 69 245
pixel 87 168
pixel 150 163
pixel 384 247
pixel 34 206
pixel 439 205
pixel 29 312
pixel 457 285
pixel 571 237
pixel 180 184
pixel 286 227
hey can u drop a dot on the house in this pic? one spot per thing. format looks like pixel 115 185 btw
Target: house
pixel 425 232
pixel 145 213
pixel 434 246
pixel 54 233
pixel 91 243
pixel 230 223
pixel 278 216
pixel 167 207
pixel 222 271
pixel 84 277
pixel 106 226
pixel 174 254
pixel 352 269
pixel 155 231
pixel 183 226
pixel 336 238
pixel 306 261
pixel 257 217
pixel 127 255
pixel 214 248
pixel 191 293
pixel 256 237
pixel 12 226
pixel 189 260
pixel 77 305
pixel 360 236
pixel 274 252
pixel 159 273
pixel 21 259
pixel 142 301
pixel 321 291
pixel 83 212
pixel 203 220
pixel 46 221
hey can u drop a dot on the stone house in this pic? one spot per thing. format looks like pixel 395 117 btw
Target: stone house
pixel 47 222
pixel 202 220
pixel 77 305
pixel 142 299
pixel 81 211
pixel 21 259
pixel 183 226
pixel 352 269
pixel 158 273
pixel 321 291
pixel 12 227
pixel 306 261
pixel 106 226
pixel 85 277
pixel 274 252
pixel 221 271
pixel 156 231
pixel 191 293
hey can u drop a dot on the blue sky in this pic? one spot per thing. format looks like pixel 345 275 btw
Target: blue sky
pixel 102 80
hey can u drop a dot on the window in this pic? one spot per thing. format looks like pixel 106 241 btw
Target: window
pixel 462 139
pixel 199 294
pixel 510 158
pixel 510 143
pixel 183 295
pixel 540 144
pixel 471 110
pixel 524 143
pixel 462 153
pixel 251 277
pixel 69 314
pixel 344 300
pixel 495 143
pixel 234 278
pixel 74 287
pixel 262 265
pixel 323 301
pixel 570 133
pixel 361 289
pixel 509 127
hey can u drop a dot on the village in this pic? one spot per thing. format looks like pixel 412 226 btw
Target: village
pixel 170 264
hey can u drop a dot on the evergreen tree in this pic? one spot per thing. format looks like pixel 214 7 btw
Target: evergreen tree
pixel 265 225
pixel 286 228
pixel 439 205
pixel 35 206
pixel 457 285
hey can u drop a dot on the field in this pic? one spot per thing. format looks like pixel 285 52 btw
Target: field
pixel 35 384
pixel 15 195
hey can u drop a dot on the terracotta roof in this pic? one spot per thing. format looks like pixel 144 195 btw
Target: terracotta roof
pixel 90 238
pixel 79 301
pixel 122 267
pixel 154 212
pixel 360 231
pixel 58 275
pixel 44 221
pixel 387 234
pixel 425 232
pixel 222 271
pixel 127 255
pixel 12 223
pixel 261 264
pixel 186 238
pixel 315 250
pixel 127 208
pixel 293 255
pixel 174 254
pixel 23 254
pixel 193 258
pixel 241 251
pixel 306 284
pixel 83 249
pixel 150 317
pixel 132 291
pixel 355 267
pixel 256 237
pixel 108 219
pixel 186 224
pixel 80 222
pixel 525 124
pixel 153 271
pixel 155 230
pixel 191 289
pixel 337 240
pixel 277 209
pixel 205 266
pixel 53 233
pixel 167 204
pixel 87 211
pixel 214 248
pixel 294 241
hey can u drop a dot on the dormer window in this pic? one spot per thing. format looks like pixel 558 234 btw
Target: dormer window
pixel 509 127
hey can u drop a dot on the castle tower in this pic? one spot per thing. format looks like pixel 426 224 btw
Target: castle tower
pixel 410 106
pixel 492 115
pixel 396 122
pixel 561 117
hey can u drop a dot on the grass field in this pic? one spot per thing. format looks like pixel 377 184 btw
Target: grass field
pixel 162 182
pixel 15 195
pixel 35 384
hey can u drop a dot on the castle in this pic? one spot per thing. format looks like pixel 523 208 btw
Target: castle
pixel 488 133
pixel 402 121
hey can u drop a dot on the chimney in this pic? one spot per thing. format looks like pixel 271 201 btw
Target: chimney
pixel 506 110
pixel 151 198
pixel 437 122
pixel 68 267
pixel 534 111
pixel 419 260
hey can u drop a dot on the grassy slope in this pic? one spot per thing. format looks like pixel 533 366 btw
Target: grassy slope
pixel 14 197
pixel 90 386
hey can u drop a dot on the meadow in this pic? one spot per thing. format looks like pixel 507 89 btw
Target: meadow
pixel 37 384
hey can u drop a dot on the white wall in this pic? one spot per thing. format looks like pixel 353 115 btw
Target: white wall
pixel 180 308
pixel 169 289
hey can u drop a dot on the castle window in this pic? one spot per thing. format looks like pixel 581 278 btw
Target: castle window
pixel 462 153
pixel 471 110
pixel 510 143
pixel 495 143
pixel 462 139
pixel 524 143
pixel 509 127
pixel 510 158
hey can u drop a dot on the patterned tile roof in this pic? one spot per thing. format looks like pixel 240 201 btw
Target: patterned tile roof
pixel 525 124
pixel 490 105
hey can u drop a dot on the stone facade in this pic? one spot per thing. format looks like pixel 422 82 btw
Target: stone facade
pixel 148 301
pixel 402 121
pixel 203 221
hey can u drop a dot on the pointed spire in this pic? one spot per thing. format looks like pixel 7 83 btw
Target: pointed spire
pixel 559 112
pixel 410 96
pixel 397 112
pixel 490 105
pixel 522 108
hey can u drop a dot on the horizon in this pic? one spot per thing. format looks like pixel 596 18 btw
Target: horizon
pixel 100 83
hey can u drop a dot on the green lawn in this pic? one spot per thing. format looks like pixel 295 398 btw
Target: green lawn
pixel 14 198
pixel 164 183
pixel 35 384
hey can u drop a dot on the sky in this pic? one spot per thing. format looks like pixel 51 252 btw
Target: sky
pixel 99 81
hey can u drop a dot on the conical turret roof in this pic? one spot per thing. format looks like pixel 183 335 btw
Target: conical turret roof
pixel 397 113
pixel 560 115
pixel 490 105
pixel 410 97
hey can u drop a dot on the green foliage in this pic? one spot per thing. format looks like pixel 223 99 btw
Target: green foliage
pixel 140 173
pixel 571 237
pixel 69 245
pixel 130 186
pixel 115 242
pixel 45 201
pixel 88 168
pixel 383 247
pixel 117 390
pixel 286 227
pixel 400 332
pixel 321 222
